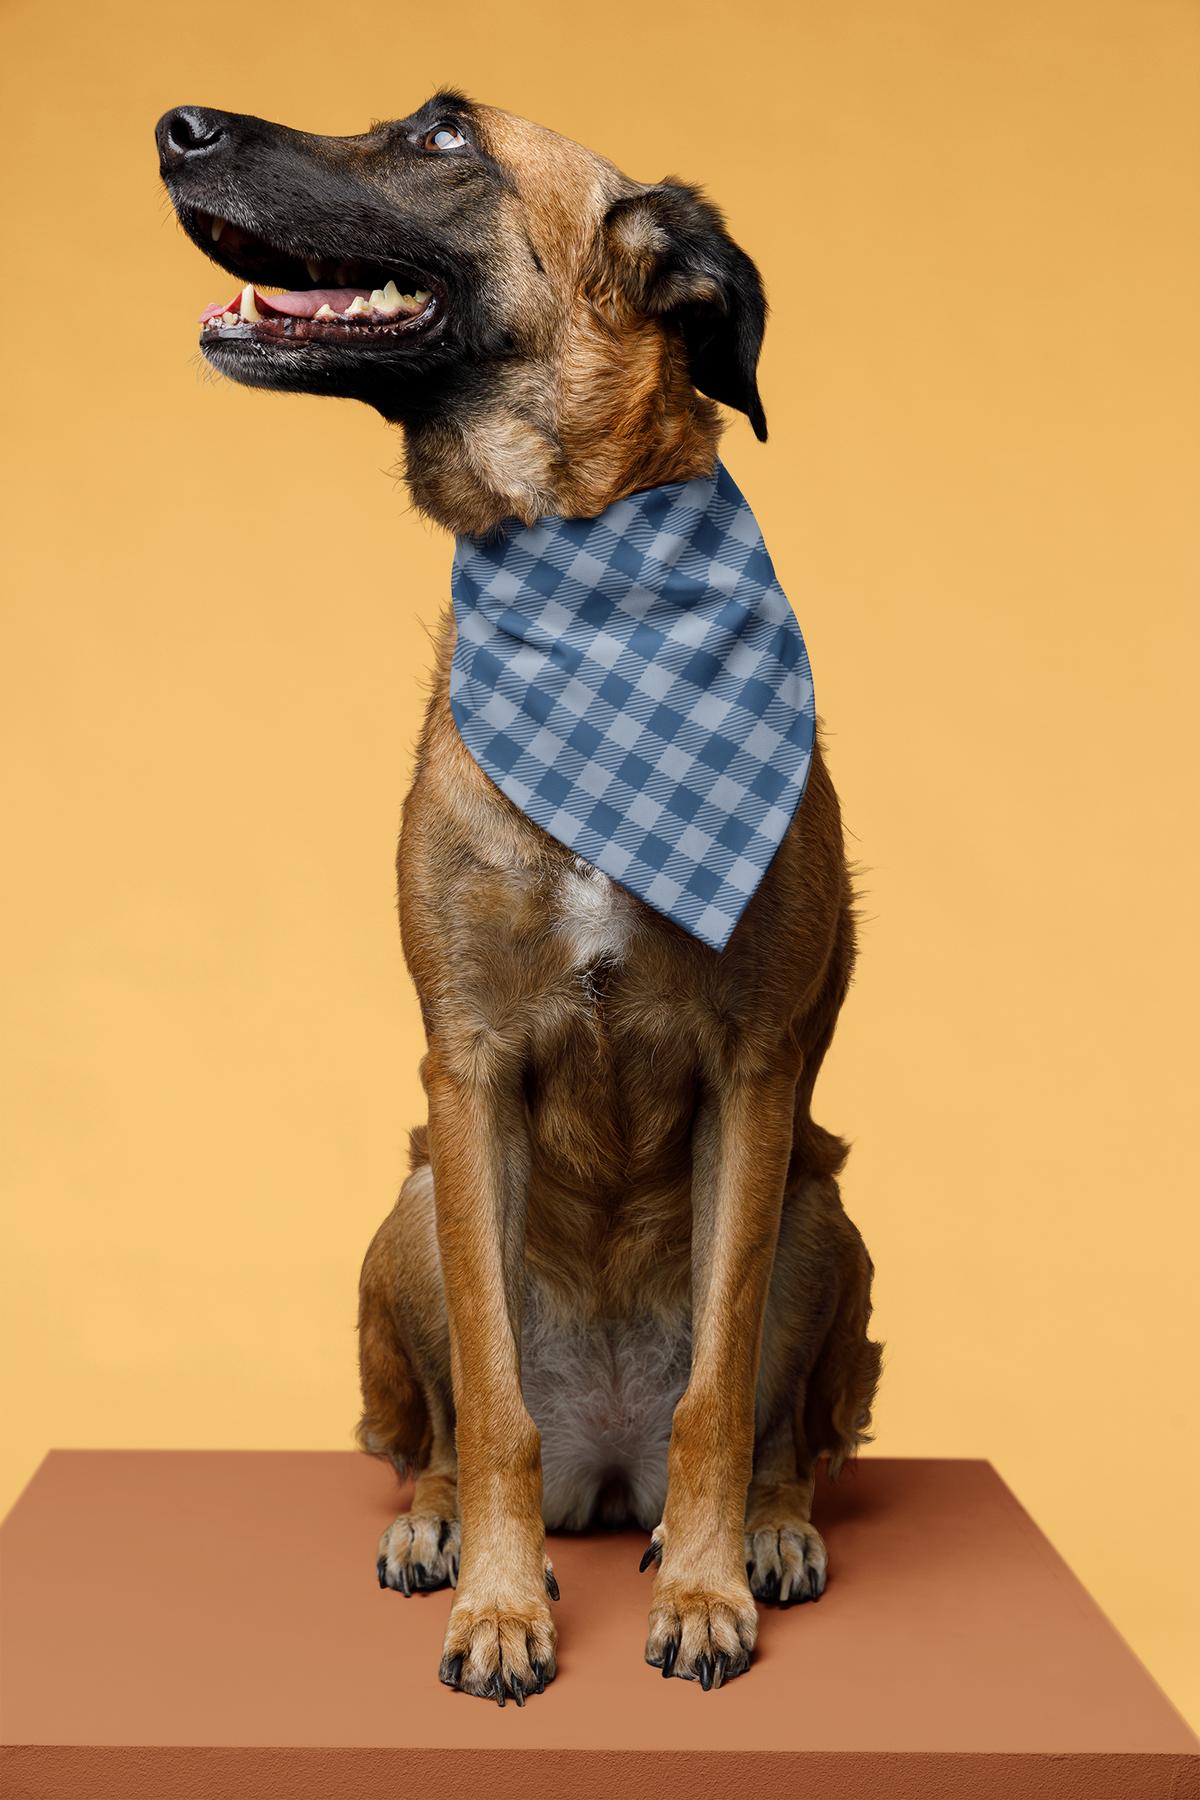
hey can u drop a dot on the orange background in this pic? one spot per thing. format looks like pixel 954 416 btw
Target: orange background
pixel 974 221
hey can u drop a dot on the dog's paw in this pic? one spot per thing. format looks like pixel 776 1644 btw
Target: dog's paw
pixel 786 1563
pixel 419 1552
pixel 699 1634
pixel 500 1652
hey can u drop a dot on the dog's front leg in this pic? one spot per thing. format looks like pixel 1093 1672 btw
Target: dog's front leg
pixel 500 1637
pixel 702 1622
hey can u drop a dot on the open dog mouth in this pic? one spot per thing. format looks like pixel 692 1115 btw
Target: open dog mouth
pixel 328 299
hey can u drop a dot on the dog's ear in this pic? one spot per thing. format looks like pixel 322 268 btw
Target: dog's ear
pixel 669 252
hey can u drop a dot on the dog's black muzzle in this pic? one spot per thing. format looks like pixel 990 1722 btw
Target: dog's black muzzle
pixel 341 218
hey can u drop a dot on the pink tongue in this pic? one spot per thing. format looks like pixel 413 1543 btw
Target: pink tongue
pixel 308 304
pixel 301 306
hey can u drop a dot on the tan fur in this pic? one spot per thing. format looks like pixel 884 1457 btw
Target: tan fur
pixel 616 1114
pixel 599 402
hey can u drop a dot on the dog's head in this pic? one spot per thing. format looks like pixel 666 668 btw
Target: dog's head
pixel 548 332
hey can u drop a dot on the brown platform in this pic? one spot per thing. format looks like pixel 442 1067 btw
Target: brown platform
pixel 208 1624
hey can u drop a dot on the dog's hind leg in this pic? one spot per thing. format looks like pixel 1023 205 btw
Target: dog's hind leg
pixel 817 1379
pixel 841 1389
pixel 785 1553
pixel 408 1413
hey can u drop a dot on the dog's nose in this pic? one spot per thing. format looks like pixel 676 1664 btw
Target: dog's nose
pixel 187 133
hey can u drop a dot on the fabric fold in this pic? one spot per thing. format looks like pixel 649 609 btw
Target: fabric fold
pixel 638 686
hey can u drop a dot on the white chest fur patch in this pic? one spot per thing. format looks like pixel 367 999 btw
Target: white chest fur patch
pixel 602 1395
pixel 595 916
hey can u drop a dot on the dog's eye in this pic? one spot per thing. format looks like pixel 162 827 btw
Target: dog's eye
pixel 446 137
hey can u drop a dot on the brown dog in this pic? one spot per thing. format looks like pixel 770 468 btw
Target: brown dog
pixel 618 1283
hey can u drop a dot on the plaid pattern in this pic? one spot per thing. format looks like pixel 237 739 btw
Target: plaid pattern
pixel 638 686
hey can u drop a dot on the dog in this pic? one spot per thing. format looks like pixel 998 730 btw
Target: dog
pixel 618 1285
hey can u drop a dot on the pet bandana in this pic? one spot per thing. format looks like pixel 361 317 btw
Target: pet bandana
pixel 637 684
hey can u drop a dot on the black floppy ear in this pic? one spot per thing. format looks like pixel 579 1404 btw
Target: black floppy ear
pixel 671 255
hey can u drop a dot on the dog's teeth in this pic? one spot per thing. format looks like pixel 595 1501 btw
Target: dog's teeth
pixel 313 266
pixel 247 307
pixel 420 297
pixel 391 299
pixel 326 312
pixel 229 318
pixel 357 305
pixel 377 297
pixel 216 228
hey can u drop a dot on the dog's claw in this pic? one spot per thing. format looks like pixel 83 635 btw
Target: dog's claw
pixel 450 1672
pixel 650 1555
pixel 381 1571
pixel 669 1655
pixel 452 1571
pixel 551 1584
pixel 722 1669
pixel 517 1691
pixel 404 1587
pixel 498 1688
pixel 704 1669
pixel 791 1570
pixel 539 1676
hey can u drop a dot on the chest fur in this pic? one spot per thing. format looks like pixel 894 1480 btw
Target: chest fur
pixel 602 1392
pixel 612 1076
pixel 594 920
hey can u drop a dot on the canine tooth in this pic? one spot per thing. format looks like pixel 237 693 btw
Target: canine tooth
pixel 391 296
pixel 341 279
pixel 314 268
pixel 216 228
pixel 377 298
pixel 247 307
pixel 326 312
pixel 357 305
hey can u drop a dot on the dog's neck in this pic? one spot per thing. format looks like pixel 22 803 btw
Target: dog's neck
pixel 567 436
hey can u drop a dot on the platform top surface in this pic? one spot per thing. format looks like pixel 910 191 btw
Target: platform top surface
pixel 230 1598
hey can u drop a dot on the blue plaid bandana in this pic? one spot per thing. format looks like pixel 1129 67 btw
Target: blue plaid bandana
pixel 637 684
